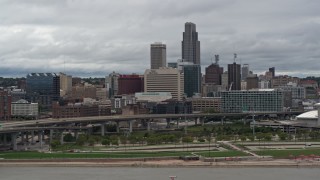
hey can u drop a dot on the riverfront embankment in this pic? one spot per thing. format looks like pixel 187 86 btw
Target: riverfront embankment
pixel 156 163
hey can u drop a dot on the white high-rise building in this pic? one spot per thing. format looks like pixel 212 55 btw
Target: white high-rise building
pixel 224 80
pixel 244 72
pixel 165 80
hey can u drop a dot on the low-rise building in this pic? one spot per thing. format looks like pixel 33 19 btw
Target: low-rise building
pixel 23 108
pixel 173 107
pixel 206 104
pixel 283 81
pixel 153 96
pixel 79 110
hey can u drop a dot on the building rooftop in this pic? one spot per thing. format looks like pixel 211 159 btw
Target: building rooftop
pixel 309 115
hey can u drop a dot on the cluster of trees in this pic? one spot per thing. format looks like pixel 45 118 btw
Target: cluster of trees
pixel 233 132
pixel 133 139
pixel 94 81
pixel 7 82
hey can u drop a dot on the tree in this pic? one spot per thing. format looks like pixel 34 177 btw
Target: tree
pixel 81 140
pixel 152 140
pixel 55 143
pixel 68 138
pixel 114 140
pixel 267 136
pixel 251 137
pixel 133 139
pixel 187 139
pixel 259 137
pixel 283 136
pixel 243 138
pixel 123 139
pixel 105 142
pixel 91 141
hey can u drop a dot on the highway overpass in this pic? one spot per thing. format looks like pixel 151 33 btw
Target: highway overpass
pixel 24 128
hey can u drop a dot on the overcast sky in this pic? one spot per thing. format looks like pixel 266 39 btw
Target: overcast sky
pixel 95 37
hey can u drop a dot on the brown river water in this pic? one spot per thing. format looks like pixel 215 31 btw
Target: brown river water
pixel 115 173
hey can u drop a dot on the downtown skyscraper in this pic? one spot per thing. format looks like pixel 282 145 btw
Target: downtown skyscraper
pixel 190 44
pixel 158 55
pixel 234 76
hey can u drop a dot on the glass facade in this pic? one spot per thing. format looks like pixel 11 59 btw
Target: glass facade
pixel 252 101
pixel 192 79
pixel 43 88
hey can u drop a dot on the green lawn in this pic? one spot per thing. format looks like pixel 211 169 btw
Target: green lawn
pixel 286 153
pixel 222 154
pixel 38 155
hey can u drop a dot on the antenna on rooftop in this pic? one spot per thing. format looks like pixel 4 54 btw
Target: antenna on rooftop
pixel 216 58
pixel 234 57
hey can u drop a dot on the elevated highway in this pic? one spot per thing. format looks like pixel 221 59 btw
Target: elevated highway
pixel 22 129
pixel 101 119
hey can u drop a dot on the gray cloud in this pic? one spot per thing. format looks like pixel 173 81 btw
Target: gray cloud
pixel 96 37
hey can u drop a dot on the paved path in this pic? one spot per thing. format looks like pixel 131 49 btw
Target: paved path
pixel 228 143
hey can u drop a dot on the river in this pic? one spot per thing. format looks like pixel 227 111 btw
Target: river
pixel 88 173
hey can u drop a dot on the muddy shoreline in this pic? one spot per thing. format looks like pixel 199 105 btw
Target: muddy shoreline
pixel 147 163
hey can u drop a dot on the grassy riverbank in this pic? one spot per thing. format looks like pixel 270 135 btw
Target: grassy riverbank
pixel 56 155
pixel 289 153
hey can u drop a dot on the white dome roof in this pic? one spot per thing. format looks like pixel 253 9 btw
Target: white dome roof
pixel 309 115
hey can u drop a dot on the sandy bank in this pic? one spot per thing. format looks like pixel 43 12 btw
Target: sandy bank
pixel 157 163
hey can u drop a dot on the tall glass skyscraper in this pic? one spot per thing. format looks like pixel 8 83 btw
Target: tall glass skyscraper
pixel 190 44
pixel 43 88
pixel 192 76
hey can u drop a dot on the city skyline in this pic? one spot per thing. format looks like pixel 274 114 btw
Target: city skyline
pixel 97 38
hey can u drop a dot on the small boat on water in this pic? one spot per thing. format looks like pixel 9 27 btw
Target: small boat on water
pixel 173 177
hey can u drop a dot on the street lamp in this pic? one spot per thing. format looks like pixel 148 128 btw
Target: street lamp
pixel 185 120
pixel 253 128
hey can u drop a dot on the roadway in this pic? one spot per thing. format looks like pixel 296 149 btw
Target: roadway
pixel 102 119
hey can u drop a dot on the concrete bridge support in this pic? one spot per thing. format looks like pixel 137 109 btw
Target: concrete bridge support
pixel 202 121
pixel 118 127
pixel 14 141
pixel 5 139
pixel 103 129
pixel 178 121
pixel 148 125
pixel 61 137
pixel 40 137
pixel 50 136
pixel 76 134
pixel 32 137
pixel 195 121
pixel 168 122
pixel 130 126
pixel 22 138
pixel 27 137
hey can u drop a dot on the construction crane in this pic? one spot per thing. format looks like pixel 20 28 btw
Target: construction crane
pixel 230 86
